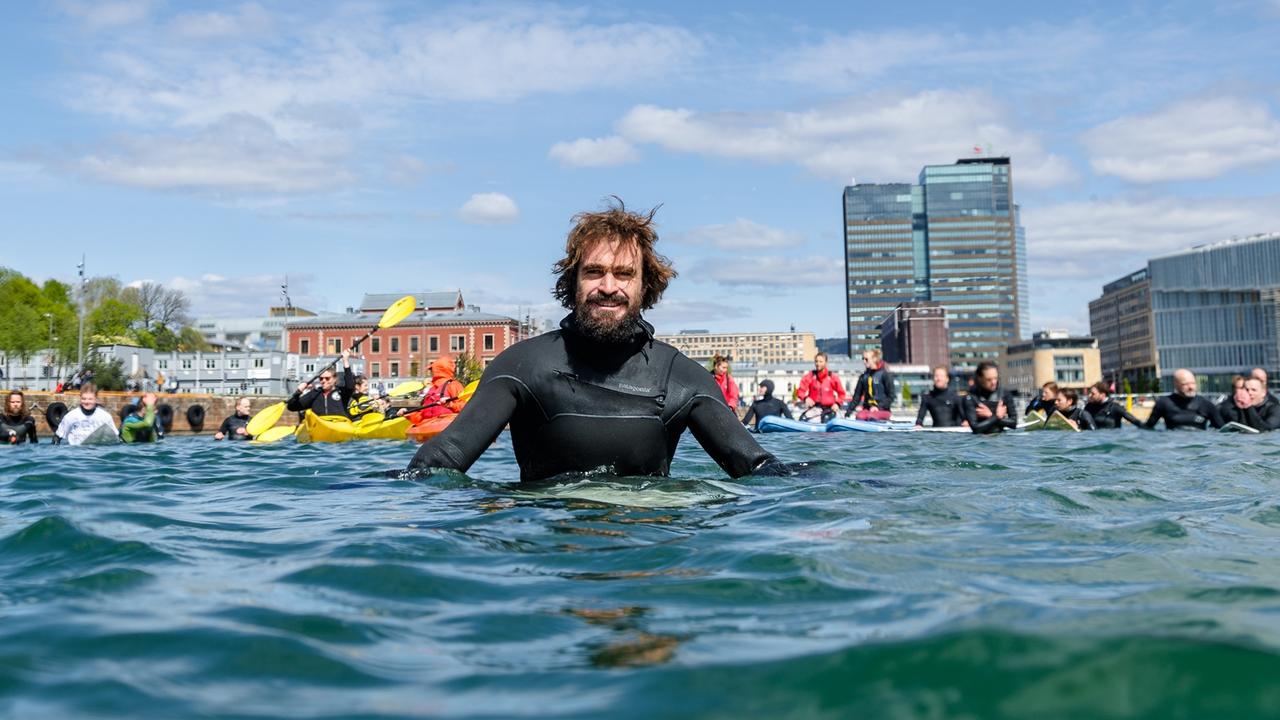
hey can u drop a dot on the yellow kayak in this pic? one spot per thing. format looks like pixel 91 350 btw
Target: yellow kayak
pixel 373 426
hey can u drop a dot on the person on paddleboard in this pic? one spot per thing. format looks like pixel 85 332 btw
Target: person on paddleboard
pixel 765 405
pixel 1183 409
pixel 821 388
pixel 600 393
pixel 331 398
pixel 873 395
pixel 84 419
pixel 236 425
pixel 988 408
pixel 16 424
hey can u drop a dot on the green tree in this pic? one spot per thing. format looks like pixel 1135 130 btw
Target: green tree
pixel 108 372
pixel 190 340
pixel 1127 386
pixel 112 321
pixel 906 395
pixel 467 368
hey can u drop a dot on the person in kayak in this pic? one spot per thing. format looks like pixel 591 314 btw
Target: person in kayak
pixel 330 399
pixel 16 424
pixel 442 396
pixel 1067 404
pixel 941 403
pixel 236 425
pixel 822 389
pixel 765 405
pixel 1107 413
pixel 84 419
pixel 728 387
pixel 873 395
pixel 360 403
pixel 987 408
pixel 139 424
pixel 1046 401
pixel 1252 406
pixel 1182 408
pixel 600 392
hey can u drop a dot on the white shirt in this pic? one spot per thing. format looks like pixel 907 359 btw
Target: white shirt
pixel 76 426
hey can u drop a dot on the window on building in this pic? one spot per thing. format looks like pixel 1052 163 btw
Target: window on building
pixel 233 364
pixel 210 364
pixel 257 390
pixel 413 368
pixel 433 344
pixel 375 345
pixel 186 364
pixel 375 370
pixel 259 362
pixel 488 341
pixel 395 347
pixel 457 343
pixel 335 346
pixel 395 369
pixel 162 364
pixel 413 346
pixel 309 368
pixel 304 347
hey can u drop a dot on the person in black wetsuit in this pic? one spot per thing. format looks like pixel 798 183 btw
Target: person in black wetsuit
pixel 236 426
pixel 16 424
pixel 601 392
pixel 1046 401
pixel 330 399
pixel 1183 408
pixel 1107 413
pixel 1067 404
pixel 987 408
pixel 767 405
pixel 1252 406
pixel 941 402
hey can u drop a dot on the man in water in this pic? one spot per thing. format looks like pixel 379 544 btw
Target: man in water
pixel 1261 375
pixel 987 408
pixel 139 423
pixel 236 426
pixel 1251 406
pixel 1067 404
pixel 16 424
pixel 330 399
pixel 82 421
pixel 941 402
pixel 873 395
pixel 599 393
pixel 765 405
pixel 1182 408
pixel 821 388
pixel 1106 413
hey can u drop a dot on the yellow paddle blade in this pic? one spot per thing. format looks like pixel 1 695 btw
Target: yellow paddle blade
pixel 266 418
pixel 469 390
pixel 398 311
pixel 273 434
pixel 406 388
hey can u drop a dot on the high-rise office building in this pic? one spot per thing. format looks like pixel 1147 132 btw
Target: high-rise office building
pixel 1217 310
pixel 1122 321
pixel 953 238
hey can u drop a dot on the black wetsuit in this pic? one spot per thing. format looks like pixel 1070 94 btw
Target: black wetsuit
pixel 1108 414
pixel 1039 404
pixel 1180 411
pixel 17 430
pixel 992 399
pixel 1081 417
pixel 332 404
pixel 766 406
pixel 874 390
pixel 1263 418
pixel 944 406
pixel 233 423
pixel 575 404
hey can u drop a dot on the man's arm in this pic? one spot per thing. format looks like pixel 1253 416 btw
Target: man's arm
pixel 924 406
pixel 1270 415
pixel 891 387
pixel 31 431
pixel 1010 420
pixel 1126 415
pixel 1086 421
pixel 751 413
pixel 1215 417
pixel 714 425
pixel 476 427
pixel 786 411
pixel 802 392
pixel 1157 413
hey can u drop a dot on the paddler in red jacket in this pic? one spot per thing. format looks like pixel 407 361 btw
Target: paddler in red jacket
pixel 442 394
pixel 728 386
pixel 821 388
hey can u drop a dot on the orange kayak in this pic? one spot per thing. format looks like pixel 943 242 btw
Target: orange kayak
pixel 430 427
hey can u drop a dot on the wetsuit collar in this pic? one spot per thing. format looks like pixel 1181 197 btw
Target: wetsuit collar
pixel 643 331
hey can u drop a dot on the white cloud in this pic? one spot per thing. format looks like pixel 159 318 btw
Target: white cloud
pixel 848 60
pixel 1193 139
pixel 674 314
pixel 246 296
pixel 246 19
pixel 594 152
pixel 772 271
pixel 489 209
pixel 237 154
pixel 100 15
pixel 404 169
pixel 741 234
pixel 886 137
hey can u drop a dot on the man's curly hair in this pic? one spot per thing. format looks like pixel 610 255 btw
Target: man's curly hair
pixel 613 222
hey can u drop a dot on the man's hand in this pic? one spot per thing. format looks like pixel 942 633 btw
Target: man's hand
pixel 810 402
pixel 218 436
pixel 984 412
pixel 242 430
pixel 302 388
pixel 346 358
pixel 149 399
pixel 1002 412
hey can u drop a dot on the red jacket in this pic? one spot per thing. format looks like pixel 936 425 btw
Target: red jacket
pixel 728 388
pixel 825 391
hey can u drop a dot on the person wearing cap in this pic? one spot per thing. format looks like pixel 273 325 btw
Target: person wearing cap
pixel 765 405
pixel 139 424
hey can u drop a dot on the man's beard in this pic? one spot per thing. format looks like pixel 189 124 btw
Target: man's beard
pixel 606 329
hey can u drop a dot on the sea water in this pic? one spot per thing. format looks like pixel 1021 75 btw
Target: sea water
pixel 1046 575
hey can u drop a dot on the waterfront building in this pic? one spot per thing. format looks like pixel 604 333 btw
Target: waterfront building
pixel 744 347
pixel 1124 325
pixel 1051 356
pixel 916 333
pixel 954 238
pixel 256 333
pixel 1217 310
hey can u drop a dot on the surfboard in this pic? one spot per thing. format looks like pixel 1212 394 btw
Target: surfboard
pixel 852 425
pixel 777 423
pixel 102 435
pixel 1235 427
pixel 1036 421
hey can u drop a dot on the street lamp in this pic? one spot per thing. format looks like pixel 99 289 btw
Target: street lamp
pixel 49 364
pixel 80 352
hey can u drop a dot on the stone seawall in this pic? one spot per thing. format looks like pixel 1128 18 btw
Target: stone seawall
pixel 216 408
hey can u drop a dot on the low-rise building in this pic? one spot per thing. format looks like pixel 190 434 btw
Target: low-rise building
pixel 745 347
pixel 1051 356
pixel 256 333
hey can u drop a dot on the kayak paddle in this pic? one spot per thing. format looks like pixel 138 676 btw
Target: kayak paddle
pixel 272 434
pixel 270 415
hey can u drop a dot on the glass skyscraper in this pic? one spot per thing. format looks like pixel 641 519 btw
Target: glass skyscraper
pixel 1217 310
pixel 953 238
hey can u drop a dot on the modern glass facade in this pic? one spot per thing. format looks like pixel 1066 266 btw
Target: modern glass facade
pixel 1122 321
pixel 953 238
pixel 1217 310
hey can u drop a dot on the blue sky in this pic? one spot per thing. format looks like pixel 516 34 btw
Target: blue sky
pixel 381 146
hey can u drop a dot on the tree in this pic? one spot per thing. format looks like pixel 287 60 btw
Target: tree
pixel 108 372
pixel 1127 386
pixel 113 321
pixel 158 306
pixel 906 395
pixel 190 340
pixel 98 290
pixel 467 368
